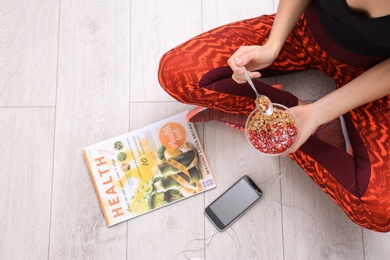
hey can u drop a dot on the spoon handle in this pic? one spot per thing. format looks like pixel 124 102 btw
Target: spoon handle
pixel 248 78
pixel 270 109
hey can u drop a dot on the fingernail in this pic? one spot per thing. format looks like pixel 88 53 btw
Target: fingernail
pixel 238 61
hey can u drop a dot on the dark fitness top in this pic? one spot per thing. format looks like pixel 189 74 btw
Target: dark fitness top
pixel 349 37
pixel 354 30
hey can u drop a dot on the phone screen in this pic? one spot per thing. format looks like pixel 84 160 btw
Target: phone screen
pixel 233 203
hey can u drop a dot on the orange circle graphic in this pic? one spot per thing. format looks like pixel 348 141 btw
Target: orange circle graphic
pixel 172 135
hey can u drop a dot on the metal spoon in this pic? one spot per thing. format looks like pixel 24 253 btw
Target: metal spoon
pixel 268 109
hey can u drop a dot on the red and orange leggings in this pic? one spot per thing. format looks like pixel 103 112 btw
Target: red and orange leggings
pixel 196 72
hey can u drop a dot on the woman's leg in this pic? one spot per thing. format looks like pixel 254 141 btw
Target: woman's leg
pixel 196 71
pixel 193 73
pixel 358 183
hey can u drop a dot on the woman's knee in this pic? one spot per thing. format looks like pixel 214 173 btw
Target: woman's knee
pixel 165 73
pixel 177 76
pixel 169 71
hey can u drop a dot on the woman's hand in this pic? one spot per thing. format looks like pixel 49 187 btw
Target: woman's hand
pixel 307 124
pixel 253 58
pixel 258 57
pixel 342 100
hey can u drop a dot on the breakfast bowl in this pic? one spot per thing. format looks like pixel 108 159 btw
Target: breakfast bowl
pixel 273 134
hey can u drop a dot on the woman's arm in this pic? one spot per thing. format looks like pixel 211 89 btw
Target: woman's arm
pixel 287 15
pixel 371 85
pixel 257 57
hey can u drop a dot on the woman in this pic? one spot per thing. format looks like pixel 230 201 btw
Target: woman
pixel 347 40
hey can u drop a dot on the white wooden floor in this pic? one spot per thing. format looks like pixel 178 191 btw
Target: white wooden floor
pixel 73 73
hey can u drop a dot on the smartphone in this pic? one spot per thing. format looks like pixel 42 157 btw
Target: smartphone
pixel 233 203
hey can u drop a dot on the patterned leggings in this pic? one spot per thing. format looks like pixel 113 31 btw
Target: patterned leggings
pixel 196 72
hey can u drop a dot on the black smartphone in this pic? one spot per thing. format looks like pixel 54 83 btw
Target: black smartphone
pixel 234 202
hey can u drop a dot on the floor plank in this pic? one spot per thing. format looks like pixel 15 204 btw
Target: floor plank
pixel 164 233
pixel 73 73
pixel 308 85
pixel 219 12
pixel 93 105
pixel 155 29
pixel 26 163
pixel 257 234
pixel 314 227
pixel 28 52
pixel 376 245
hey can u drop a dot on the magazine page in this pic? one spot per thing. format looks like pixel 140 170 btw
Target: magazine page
pixel 148 168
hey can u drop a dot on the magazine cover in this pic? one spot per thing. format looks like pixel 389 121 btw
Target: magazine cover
pixel 148 168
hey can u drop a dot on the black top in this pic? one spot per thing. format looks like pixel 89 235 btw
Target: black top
pixel 353 30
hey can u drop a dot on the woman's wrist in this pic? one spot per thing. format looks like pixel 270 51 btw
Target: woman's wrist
pixel 318 113
pixel 325 110
pixel 274 46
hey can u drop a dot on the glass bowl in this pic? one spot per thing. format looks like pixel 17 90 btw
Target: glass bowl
pixel 274 134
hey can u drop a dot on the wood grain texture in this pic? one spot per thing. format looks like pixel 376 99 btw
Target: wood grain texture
pixel 93 105
pixel 237 158
pixel 28 52
pixel 376 245
pixel 26 142
pixel 156 27
pixel 218 12
pixel 231 145
pixel 315 227
pixel 164 233
pixel 86 71
pixel 308 85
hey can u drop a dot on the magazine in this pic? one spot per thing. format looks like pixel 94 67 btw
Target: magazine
pixel 148 168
